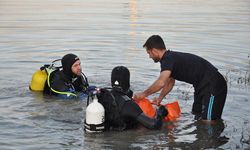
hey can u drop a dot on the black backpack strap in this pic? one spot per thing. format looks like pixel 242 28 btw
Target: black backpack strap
pixel 85 79
pixel 94 127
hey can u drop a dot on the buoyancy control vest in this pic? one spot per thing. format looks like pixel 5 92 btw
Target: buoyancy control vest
pixel 113 102
pixel 59 84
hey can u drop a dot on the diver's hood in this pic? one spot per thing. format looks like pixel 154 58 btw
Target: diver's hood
pixel 120 77
pixel 67 62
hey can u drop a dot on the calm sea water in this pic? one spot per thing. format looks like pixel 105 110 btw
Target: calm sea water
pixel 108 33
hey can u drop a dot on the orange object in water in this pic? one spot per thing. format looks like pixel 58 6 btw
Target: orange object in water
pixel 148 109
pixel 174 111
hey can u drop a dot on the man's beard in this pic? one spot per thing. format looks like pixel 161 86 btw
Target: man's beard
pixel 156 60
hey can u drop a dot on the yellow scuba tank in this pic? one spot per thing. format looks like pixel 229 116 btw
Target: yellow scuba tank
pixel 38 80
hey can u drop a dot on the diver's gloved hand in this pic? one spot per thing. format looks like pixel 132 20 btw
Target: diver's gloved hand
pixel 161 112
pixel 91 88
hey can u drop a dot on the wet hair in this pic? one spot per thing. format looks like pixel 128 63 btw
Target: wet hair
pixel 67 61
pixel 120 77
pixel 155 41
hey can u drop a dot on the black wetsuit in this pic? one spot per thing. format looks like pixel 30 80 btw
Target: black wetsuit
pixel 209 85
pixel 63 86
pixel 121 112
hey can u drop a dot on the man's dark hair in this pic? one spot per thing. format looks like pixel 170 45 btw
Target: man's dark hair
pixel 155 41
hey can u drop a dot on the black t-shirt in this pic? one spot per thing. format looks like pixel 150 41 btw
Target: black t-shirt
pixel 188 68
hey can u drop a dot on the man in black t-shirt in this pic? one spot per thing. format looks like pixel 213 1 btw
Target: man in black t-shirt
pixel 209 85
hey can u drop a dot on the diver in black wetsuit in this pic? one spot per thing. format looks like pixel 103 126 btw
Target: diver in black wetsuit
pixel 210 87
pixel 66 83
pixel 121 112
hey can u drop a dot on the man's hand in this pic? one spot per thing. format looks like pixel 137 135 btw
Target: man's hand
pixel 157 101
pixel 139 96
pixel 162 112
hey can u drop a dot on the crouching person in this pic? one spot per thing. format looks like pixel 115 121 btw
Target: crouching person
pixel 121 112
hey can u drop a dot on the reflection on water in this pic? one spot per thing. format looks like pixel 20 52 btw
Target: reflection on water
pixel 104 35
pixel 204 136
pixel 188 136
